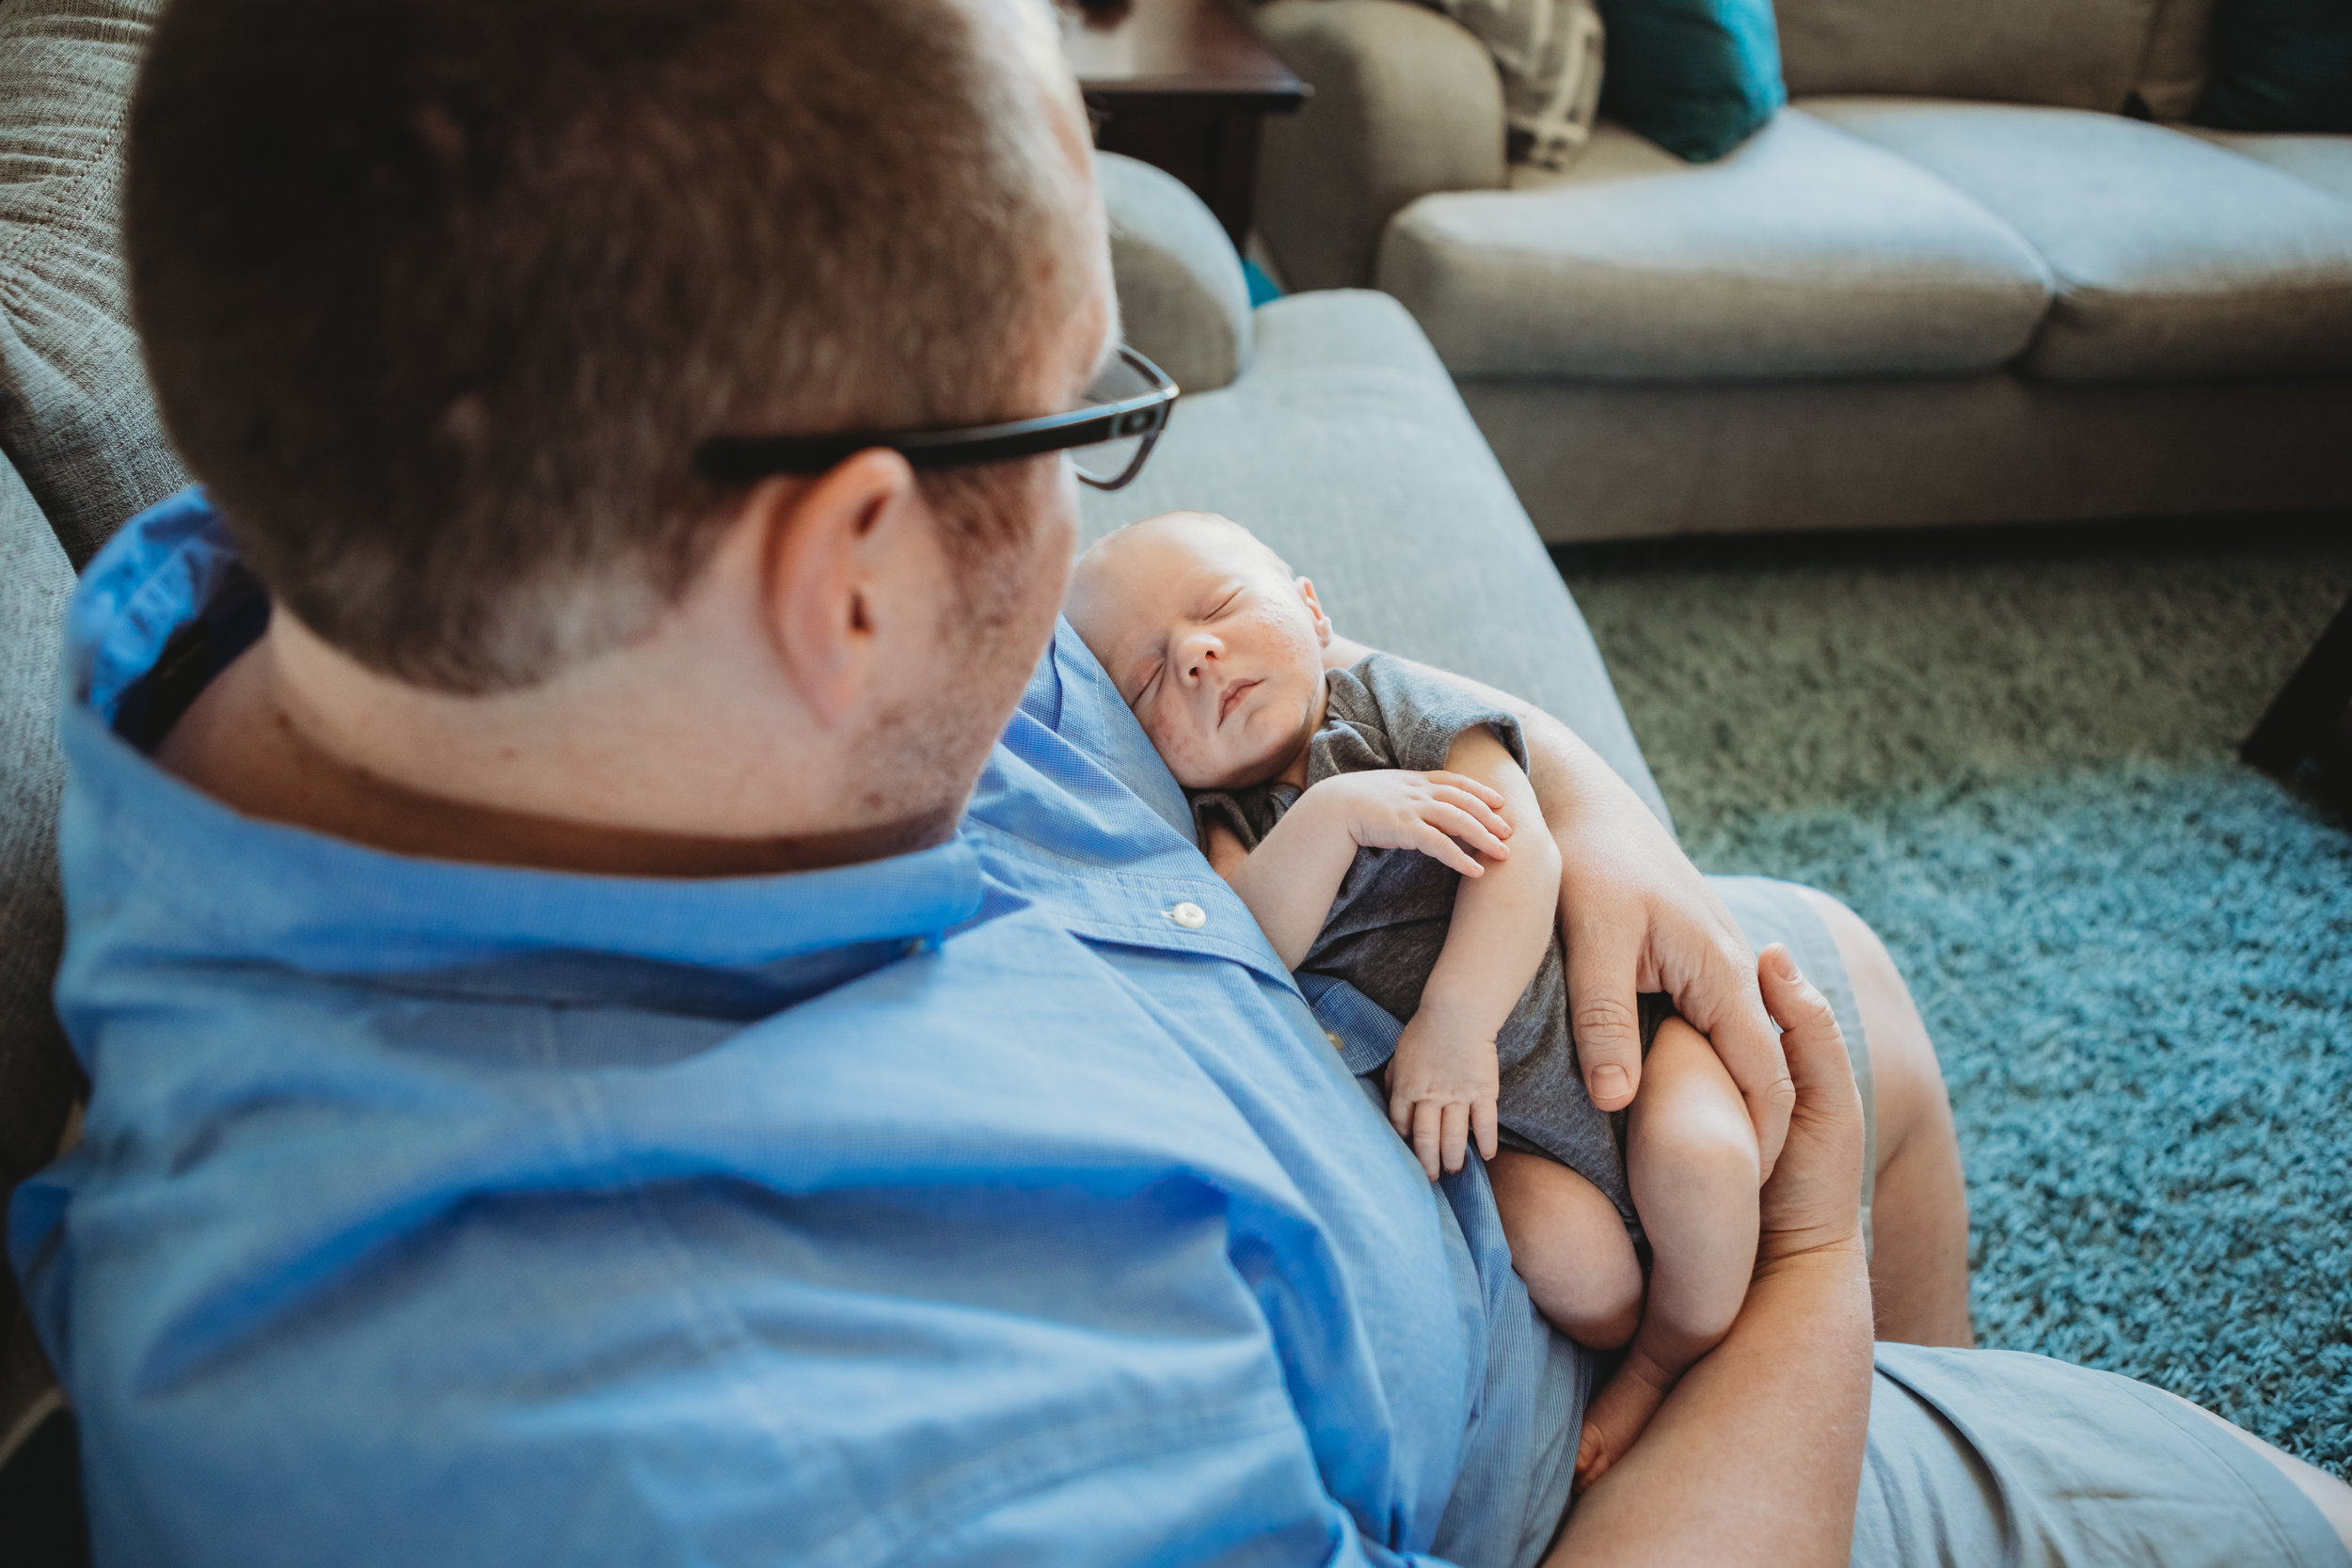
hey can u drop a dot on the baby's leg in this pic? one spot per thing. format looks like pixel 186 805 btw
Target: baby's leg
pixel 1691 1158
pixel 1569 1245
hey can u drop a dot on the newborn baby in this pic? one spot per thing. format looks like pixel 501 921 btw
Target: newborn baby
pixel 1379 822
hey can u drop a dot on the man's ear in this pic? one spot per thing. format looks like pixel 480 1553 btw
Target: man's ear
pixel 1323 621
pixel 821 582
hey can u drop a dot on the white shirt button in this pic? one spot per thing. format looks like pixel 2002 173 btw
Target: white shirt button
pixel 1190 917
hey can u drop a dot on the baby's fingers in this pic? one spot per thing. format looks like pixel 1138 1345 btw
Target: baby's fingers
pixel 1476 805
pixel 1482 1127
pixel 1485 792
pixel 1400 1106
pixel 1453 1135
pixel 1462 825
pixel 1440 848
pixel 1428 1133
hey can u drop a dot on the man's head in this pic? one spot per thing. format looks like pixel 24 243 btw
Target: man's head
pixel 1210 639
pixel 440 298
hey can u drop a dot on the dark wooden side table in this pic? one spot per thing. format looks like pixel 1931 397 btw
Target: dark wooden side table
pixel 2310 719
pixel 1183 85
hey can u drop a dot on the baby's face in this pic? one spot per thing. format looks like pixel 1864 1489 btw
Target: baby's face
pixel 1216 650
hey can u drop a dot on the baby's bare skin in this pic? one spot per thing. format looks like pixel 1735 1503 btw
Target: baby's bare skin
pixel 1220 652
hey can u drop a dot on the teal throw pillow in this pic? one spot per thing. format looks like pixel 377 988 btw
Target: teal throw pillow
pixel 1698 77
pixel 2279 65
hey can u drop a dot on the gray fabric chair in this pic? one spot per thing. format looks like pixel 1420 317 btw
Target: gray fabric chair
pixel 1950 283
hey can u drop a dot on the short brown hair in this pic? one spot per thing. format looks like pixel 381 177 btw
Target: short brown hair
pixel 438 296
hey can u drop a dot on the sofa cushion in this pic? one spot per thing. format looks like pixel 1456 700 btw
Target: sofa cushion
pixel 2317 160
pixel 75 414
pixel 1182 300
pixel 1347 449
pixel 2174 258
pixel 1805 253
pixel 2085 54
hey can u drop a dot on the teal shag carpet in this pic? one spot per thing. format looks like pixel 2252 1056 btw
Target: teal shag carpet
pixel 2013 754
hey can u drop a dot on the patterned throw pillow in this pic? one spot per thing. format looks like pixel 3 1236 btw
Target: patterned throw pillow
pixel 1549 54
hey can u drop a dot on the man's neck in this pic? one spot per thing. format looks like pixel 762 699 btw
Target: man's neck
pixel 258 743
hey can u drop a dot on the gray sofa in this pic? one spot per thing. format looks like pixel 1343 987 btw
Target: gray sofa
pixel 1951 283
pixel 1325 422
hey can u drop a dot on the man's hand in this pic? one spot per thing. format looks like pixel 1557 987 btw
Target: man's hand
pixel 1635 916
pixel 1392 808
pixel 1442 1084
pixel 1756 1455
pixel 1814 1200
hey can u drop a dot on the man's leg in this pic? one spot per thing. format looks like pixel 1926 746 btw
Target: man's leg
pixel 1919 1215
pixel 2332 1497
pixel 1986 1456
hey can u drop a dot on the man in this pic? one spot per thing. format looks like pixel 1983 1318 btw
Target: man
pixel 566 1090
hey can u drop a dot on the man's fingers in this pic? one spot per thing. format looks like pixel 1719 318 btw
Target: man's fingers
pixel 1453 1135
pixel 1602 1014
pixel 1814 1046
pixel 1720 1000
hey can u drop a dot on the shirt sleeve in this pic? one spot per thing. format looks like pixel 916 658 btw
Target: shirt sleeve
pixel 1413 716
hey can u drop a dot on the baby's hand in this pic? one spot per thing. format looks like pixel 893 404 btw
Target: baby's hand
pixel 1442 1082
pixel 1393 809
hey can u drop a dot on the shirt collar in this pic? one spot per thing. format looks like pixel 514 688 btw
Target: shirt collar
pixel 207 882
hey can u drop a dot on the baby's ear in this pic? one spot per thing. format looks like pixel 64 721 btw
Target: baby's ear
pixel 1323 621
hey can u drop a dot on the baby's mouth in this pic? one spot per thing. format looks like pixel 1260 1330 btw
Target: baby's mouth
pixel 1233 697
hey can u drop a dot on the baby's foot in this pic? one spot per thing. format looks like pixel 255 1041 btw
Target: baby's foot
pixel 1619 1412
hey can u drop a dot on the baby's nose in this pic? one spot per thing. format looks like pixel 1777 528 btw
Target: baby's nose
pixel 1196 651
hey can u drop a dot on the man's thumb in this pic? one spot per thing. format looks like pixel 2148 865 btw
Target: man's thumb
pixel 1605 1021
pixel 1810 1039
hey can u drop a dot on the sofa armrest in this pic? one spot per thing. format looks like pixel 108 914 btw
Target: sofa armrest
pixel 1182 300
pixel 1405 103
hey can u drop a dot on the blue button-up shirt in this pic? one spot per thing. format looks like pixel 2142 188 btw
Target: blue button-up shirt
pixel 968 1204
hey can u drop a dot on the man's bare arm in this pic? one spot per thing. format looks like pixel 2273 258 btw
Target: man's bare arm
pixel 1756 1455
pixel 1636 915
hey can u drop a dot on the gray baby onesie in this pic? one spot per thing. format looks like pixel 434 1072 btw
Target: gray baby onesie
pixel 1388 922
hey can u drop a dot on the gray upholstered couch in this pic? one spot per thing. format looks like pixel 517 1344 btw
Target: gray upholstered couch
pixel 1951 283
pixel 1325 422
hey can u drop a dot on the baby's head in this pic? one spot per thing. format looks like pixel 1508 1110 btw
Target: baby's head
pixel 1211 641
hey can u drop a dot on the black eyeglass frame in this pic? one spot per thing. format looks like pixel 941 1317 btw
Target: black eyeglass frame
pixel 742 459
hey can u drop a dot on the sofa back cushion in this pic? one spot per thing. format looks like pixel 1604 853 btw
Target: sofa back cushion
pixel 2077 54
pixel 76 418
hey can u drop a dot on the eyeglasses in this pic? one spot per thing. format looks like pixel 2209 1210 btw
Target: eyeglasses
pixel 1107 438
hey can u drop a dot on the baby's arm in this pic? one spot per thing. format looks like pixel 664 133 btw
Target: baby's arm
pixel 1290 880
pixel 1443 1081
